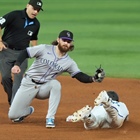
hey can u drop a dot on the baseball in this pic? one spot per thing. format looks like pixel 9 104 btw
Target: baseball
pixel 99 75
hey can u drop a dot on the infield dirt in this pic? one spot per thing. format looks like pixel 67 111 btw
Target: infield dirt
pixel 75 95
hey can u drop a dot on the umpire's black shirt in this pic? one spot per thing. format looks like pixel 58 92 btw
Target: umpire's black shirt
pixel 19 29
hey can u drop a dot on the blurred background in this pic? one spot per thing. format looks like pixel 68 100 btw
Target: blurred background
pixel 106 32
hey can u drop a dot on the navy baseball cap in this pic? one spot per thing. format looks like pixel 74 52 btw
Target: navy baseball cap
pixel 37 4
pixel 65 34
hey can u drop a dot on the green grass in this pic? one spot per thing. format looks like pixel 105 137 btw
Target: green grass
pixel 106 32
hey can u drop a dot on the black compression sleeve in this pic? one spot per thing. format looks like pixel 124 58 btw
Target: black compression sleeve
pixel 84 78
pixel 22 56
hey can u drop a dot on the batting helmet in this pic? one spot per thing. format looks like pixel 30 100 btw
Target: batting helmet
pixel 113 95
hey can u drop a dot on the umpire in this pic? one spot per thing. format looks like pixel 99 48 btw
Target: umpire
pixel 21 28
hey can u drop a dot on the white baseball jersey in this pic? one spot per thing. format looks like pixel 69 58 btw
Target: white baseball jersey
pixel 48 65
pixel 111 117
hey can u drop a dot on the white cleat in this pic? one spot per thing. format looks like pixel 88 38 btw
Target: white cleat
pixel 79 114
pixel 102 98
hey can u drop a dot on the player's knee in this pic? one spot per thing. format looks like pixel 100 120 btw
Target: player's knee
pixel 12 115
pixel 56 84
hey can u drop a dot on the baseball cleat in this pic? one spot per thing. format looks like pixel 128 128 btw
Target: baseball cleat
pixel 102 98
pixel 20 119
pixel 80 114
pixel 50 123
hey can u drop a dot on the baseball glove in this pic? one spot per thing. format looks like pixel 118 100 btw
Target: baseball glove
pixel 99 75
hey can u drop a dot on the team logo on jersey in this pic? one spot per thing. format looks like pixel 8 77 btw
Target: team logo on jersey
pixel 30 33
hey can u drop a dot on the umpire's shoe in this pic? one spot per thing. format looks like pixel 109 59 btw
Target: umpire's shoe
pixel 20 119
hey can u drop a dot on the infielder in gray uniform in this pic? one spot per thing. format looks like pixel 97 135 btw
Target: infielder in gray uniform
pixel 40 79
pixel 108 112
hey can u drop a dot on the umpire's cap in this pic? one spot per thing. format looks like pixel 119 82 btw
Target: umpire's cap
pixel 37 4
pixel 113 95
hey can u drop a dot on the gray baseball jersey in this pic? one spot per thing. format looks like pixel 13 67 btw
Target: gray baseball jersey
pixel 47 64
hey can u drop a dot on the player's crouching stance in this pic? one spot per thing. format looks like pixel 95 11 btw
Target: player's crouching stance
pixel 108 112
pixel 40 82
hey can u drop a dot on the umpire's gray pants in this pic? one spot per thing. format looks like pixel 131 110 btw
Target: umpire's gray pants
pixel 10 84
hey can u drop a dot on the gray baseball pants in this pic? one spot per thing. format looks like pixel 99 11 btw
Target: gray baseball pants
pixel 28 91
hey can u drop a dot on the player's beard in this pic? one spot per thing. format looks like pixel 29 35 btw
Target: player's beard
pixel 63 48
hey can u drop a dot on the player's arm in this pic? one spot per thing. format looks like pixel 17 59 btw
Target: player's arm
pixel 84 78
pixel 98 77
pixel 22 56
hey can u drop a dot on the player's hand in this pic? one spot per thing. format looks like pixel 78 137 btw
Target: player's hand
pixel 16 69
pixel 99 75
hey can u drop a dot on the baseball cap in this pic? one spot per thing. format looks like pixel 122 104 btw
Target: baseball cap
pixel 37 4
pixel 65 34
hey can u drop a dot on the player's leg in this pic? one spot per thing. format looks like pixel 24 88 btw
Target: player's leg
pixel 96 119
pixel 92 117
pixel 20 106
pixel 112 108
pixel 80 114
pixel 51 90
pixel 18 78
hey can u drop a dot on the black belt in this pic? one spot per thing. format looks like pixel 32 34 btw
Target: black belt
pixel 15 49
pixel 33 80
pixel 36 82
pixel 6 45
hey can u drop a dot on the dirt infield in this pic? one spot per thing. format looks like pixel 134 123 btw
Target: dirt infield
pixel 74 96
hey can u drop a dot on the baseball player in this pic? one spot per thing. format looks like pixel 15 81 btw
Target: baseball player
pixel 108 112
pixel 21 27
pixel 40 79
